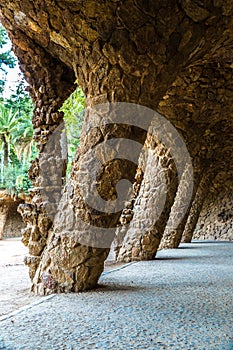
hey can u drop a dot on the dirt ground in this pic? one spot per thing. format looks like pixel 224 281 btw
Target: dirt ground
pixel 14 280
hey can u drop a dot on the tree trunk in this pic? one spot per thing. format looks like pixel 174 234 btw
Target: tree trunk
pixel 3 217
pixel 5 151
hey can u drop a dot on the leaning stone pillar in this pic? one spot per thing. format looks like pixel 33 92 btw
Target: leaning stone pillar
pixel 152 206
pixel 180 209
pixel 127 212
pixel 50 83
pixel 196 207
pixel 83 229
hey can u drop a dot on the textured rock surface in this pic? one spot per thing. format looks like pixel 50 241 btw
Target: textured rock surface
pixel 216 218
pixel 11 222
pixel 50 84
pixel 203 188
pixel 150 215
pixel 202 121
pixel 172 56
pixel 179 212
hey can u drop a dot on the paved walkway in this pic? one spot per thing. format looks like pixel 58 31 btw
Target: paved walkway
pixel 181 300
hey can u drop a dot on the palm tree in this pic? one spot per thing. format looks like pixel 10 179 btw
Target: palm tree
pixel 24 143
pixel 16 144
pixel 8 129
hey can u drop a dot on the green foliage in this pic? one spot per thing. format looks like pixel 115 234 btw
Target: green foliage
pixel 7 59
pixel 73 109
pixel 20 101
pixel 8 132
pixel 17 147
pixel 16 179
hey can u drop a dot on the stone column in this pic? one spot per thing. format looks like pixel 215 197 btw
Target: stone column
pixel 152 205
pixel 127 212
pixel 50 84
pixel 82 234
pixel 196 207
pixel 181 208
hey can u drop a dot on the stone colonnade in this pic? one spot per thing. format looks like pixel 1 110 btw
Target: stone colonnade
pixel 155 55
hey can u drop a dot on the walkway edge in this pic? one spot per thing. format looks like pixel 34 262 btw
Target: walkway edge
pixel 46 298
pixel 29 306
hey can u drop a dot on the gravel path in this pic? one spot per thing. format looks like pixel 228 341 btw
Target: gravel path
pixel 14 278
pixel 15 282
pixel 181 300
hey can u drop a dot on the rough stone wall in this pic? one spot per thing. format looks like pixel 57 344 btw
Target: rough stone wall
pixel 199 104
pixel 11 223
pixel 204 186
pixel 195 110
pixel 14 222
pixel 205 111
pixel 216 218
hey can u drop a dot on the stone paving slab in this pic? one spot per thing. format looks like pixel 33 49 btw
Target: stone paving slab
pixel 181 300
